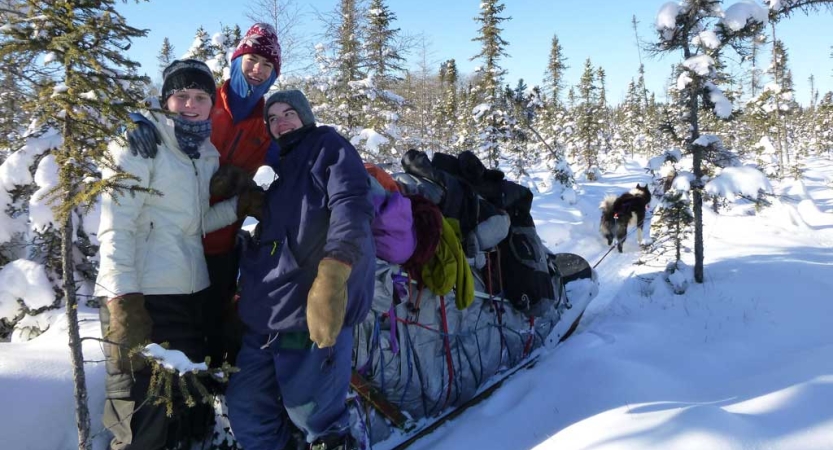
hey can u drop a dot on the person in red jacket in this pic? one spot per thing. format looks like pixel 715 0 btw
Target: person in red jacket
pixel 238 132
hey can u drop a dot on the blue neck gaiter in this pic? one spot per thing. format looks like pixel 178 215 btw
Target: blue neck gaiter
pixel 242 97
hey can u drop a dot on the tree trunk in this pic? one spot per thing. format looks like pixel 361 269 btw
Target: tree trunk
pixel 82 412
pixel 783 154
pixel 697 187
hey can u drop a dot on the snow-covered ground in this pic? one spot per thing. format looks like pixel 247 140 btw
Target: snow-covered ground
pixel 742 361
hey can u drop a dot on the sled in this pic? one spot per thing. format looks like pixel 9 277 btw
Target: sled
pixel 419 361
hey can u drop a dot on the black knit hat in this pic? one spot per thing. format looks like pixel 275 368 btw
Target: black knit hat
pixel 294 98
pixel 187 74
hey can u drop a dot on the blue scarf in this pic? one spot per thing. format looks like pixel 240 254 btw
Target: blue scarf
pixel 190 134
pixel 242 97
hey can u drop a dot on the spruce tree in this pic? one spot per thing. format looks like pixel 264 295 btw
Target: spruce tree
pixel 588 128
pixel 491 121
pixel 823 122
pixel 12 116
pixel 549 125
pixel 446 114
pixel 385 63
pixel 423 93
pixel 220 49
pixel 383 46
pixel 466 130
pixel 680 27
pixel 201 46
pixel 166 54
pixel 88 101
pixel 630 118
pixel 337 95
pixel 554 75
pixel 603 117
pixel 755 72
pixel 781 75
pixel 781 98
pixel 522 111
pixel 673 216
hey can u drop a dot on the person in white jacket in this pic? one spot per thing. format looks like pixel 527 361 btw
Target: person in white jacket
pixel 152 273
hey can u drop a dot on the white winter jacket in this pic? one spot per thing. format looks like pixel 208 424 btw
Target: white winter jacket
pixel 152 244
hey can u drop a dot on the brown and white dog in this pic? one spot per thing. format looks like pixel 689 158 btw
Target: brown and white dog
pixel 619 212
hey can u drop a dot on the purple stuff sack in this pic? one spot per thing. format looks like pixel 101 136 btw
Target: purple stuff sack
pixel 393 228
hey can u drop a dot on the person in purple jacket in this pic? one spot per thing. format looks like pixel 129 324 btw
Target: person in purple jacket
pixel 306 279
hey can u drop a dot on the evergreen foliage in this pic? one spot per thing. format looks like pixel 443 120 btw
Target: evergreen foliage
pixel 166 54
pixel 201 46
pixel 385 65
pixel 447 112
pixel 698 80
pixel 588 136
pixel 337 92
pixel 87 100
pixel 554 75
pixel 492 122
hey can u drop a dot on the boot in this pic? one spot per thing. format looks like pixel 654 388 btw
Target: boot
pixel 335 442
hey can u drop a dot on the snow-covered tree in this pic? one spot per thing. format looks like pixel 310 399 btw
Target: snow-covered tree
pixel 385 66
pixel 700 30
pixel 466 130
pixel 383 45
pixel 166 54
pixel 221 47
pixel 631 120
pixel 201 46
pixel 673 216
pixel 755 74
pixel 588 127
pixel 445 116
pixel 823 124
pixel 520 151
pixel 548 126
pixel 219 52
pixel 83 106
pixel 778 99
pixel 339 88
pixel 603 118
pixel 554 75
pixel 423 91
pixel 492 122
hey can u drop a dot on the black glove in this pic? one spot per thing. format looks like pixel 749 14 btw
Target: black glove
pixel 144 139
pixel 250 202
pixel 230 180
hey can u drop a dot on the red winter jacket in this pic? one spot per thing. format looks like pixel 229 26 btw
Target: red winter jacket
pixel 242 144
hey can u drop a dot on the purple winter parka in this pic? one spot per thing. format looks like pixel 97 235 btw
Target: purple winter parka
pixel 318 207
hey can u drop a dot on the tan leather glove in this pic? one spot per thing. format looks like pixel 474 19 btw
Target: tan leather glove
pixel 130 326
pixel 327 302
pixel 250 203
pixel 230 180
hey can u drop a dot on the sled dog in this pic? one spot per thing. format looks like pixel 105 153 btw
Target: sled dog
pixel 619 212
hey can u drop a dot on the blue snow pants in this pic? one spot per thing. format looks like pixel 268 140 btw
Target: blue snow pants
pixel 307 385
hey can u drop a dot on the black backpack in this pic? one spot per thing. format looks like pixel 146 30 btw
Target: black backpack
pixel 527 281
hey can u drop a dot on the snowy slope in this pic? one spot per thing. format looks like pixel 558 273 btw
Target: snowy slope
pixel 741 361
pixel 744 360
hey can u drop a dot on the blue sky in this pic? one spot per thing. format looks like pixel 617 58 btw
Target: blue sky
pixel 600 30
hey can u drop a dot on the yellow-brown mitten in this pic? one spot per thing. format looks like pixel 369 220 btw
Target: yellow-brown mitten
pixel 130 326
pixel 327 302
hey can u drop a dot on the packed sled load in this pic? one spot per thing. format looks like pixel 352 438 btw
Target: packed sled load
pixel 465 289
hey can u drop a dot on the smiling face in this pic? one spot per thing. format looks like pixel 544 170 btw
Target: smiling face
pixel 256 69
pixel 282 118
pixel 191 104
